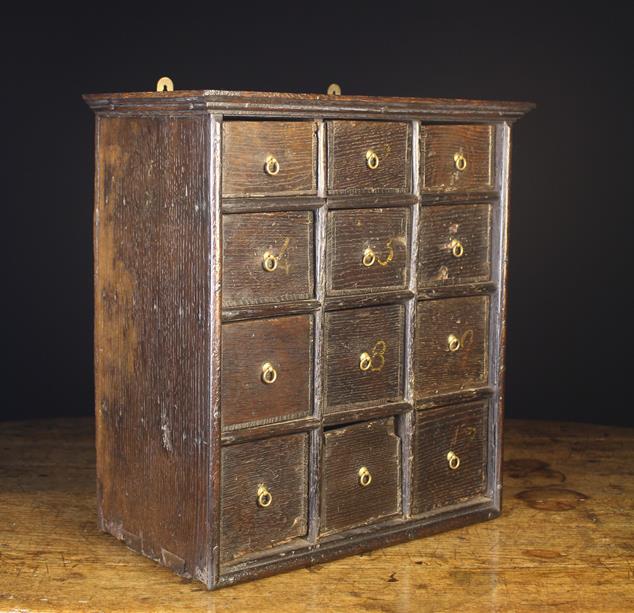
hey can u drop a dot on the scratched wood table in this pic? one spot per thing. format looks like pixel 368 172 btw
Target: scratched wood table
pixel 565 541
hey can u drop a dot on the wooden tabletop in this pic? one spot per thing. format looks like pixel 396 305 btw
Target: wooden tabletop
pixel 565 541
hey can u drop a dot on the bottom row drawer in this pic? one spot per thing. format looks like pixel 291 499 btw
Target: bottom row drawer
pixel 265 483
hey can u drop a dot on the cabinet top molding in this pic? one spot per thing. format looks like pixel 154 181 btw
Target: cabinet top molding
pixel 273 104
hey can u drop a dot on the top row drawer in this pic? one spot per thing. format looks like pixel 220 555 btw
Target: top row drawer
pixel 279 158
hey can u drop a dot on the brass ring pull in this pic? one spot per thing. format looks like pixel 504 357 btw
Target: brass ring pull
pixel 369 257
pixel 460 161
pixel 454 460
pixel 365 477
pixel 371 159
pixel 454 343
pixel 457 249
pixel 269 262
pixel 269 374
pixel 365 361
pixel 271 166
pixel 264 497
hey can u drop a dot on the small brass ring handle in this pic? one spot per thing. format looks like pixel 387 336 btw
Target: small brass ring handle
pixel 454 460
pixel 269 262
pixel 269 374
pixel 365 361
pixel 460 161
pixel 371 159
pixel 334 89
pixel 457 249
pixel 369 257
pixel 164 84
pixel 264 497
pixel 271 166
pixel 454 343
pixel 365 477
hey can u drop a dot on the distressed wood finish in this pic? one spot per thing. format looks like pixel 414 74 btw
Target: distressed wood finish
pixel 348 167
pixel 438 369
pixel 351 233
pixel 280 465
pixel 455 245
pixel 439 146
pixel 461 430
pixel 346 503
pixel 283 342
pixel 247 239
pixel 246 146
pixel 152 336
pixel 377 331
pixel 188 214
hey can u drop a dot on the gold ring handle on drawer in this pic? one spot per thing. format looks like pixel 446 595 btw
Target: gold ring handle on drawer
pixel 453 343
pixel 269 374
pixel 264 497
pixel 457 248
pixel 365 477
pixel 269 262
pixel 370 257
pixel 460 161
pixel 371 159
pixel 453 460
pixel 365 361
pixel 271 166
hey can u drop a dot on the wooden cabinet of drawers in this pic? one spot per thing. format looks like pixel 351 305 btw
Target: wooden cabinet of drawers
pixel 299 323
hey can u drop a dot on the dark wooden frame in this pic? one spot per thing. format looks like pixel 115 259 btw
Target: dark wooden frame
pixel 199 557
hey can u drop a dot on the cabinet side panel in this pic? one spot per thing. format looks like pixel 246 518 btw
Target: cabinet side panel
pixel 152 336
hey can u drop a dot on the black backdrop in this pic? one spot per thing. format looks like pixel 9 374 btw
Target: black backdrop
pixel 571 220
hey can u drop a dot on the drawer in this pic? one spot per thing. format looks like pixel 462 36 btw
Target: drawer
pixel 361 475
pixel 367 249
pixel 261 158
pixel 364 356
pixel 454 245
pixel 449 464
pixel 266 370
pixel 457 158
pixel 368 157
pixel 264 497
pixel 451 345
pixel 267 258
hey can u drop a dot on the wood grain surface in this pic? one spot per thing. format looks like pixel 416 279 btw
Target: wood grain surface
pixel 564 542
pixel 246 146
pixel 375 446
pixel 288 236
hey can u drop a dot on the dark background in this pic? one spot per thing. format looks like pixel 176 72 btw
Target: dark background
pixel 570 337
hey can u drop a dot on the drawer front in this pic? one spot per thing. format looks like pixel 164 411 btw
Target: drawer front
pixel 450 456
pixel 457 158
pixel 454 245
pixel 361 475
pixel 451 346
pixel 367 249
pixel 364 356
pixel 368 157
pixel 261 158
pixel 267 258
pixel 266 370
pixel 264 495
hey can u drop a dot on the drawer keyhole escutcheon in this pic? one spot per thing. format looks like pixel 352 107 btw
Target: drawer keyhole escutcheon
pixel 457 248
pixel 165 84
pixel 269 262
pixel 454 343
pixel 460 161
pixel 453 460
pixel 371 159
pixel 271 166
pixel 370 257
pixel 365 477
pixel 264 497
pixel 334 89
pixel 375 360
pixel 269 374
